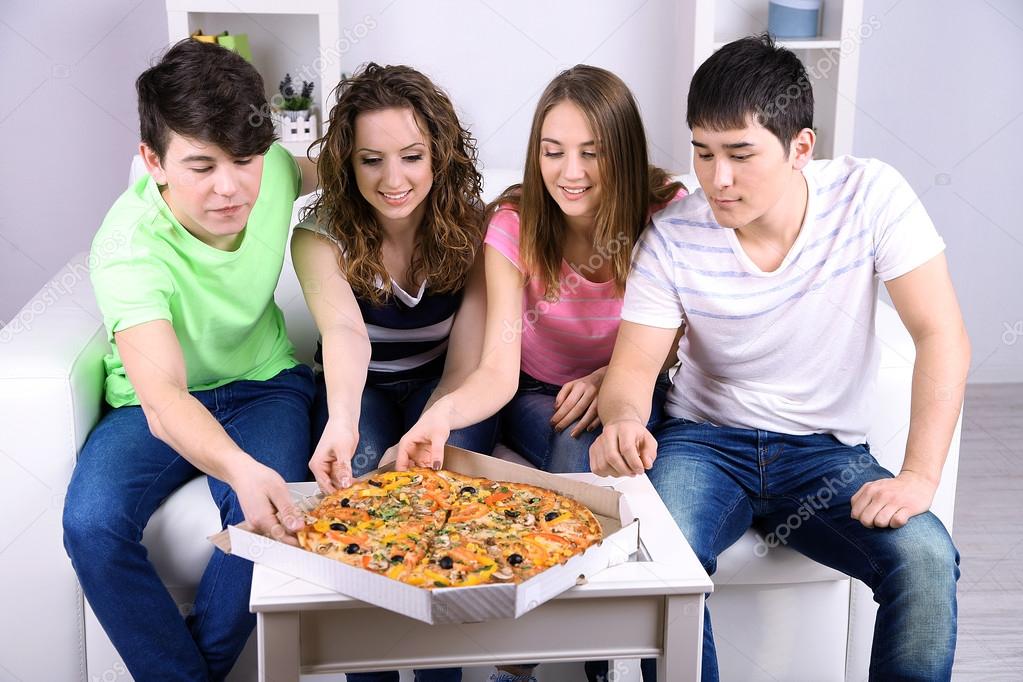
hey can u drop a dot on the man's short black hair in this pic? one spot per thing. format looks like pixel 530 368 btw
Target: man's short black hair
pixel 752 77
pixel 206 92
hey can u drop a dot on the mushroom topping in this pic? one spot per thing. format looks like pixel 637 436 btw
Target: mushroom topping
pixel 379 564
pixel 504 574
pixel 529 520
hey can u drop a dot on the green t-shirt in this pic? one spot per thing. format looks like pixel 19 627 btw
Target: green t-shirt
pixel 146 266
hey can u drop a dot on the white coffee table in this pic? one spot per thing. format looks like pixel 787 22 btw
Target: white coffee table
pixel 650 607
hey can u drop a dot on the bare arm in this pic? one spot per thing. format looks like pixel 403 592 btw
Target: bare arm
pixel 494 381
pixel 155 365
pixel 310 179
pixel 465 343
pixel 346 353
pixel 625 447
pixel 926 302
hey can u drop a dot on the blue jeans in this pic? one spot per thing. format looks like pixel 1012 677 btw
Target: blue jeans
pixel 526 427
pixel 387 412
pixel 718 481
pixel 123 474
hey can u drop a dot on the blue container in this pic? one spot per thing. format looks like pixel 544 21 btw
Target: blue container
pixel 794 18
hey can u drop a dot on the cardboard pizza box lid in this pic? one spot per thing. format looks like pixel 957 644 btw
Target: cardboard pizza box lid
pixel 454 604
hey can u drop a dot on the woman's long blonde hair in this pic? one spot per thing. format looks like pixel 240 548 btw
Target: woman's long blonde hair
pixel 630 185
pixel 452 229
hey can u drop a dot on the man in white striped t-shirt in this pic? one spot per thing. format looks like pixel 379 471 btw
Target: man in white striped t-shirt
pixel 773 268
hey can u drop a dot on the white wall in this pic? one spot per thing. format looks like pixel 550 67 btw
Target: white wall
pixel 938 97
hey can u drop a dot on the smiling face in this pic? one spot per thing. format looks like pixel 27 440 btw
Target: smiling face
pixel 568 162
pixel 747 175
pixel 210 192
pixel 392 164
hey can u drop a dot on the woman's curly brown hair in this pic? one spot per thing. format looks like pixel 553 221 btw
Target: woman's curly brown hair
pixel 452 229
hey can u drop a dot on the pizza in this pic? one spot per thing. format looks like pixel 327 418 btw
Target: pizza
pixel 444 529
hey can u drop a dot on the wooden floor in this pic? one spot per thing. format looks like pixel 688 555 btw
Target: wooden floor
pixel 988 529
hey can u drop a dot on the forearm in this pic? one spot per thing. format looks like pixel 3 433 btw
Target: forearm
pixel 346 356
pixel 625 395
pixel 939 383
pixel 483 393
pixel 187 426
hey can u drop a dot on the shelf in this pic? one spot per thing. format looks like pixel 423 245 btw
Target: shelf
pixel 801 44
pixel 297 148
pixel 254 6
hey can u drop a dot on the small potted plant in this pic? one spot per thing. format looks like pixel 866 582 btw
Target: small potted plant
pixel 295 103
pixel 296 120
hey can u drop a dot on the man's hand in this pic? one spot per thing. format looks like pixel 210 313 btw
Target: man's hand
pixel 624 448
pixel 892 502
pixel 577 400
pixel 423 445
pixel 266 502
pixel 332 460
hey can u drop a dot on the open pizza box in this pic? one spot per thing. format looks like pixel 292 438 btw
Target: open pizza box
pixel 454 604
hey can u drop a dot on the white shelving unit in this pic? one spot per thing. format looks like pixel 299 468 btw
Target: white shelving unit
pixel 832 60
pixel 300 37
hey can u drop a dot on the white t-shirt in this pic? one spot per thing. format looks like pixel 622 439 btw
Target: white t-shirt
pixel 791 351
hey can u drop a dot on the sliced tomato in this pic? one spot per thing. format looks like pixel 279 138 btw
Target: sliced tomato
pixel 468 512
pixel 497 497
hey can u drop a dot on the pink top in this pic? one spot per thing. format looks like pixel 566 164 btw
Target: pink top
pixel 571 337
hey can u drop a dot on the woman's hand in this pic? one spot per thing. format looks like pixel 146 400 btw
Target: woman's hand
pixel 332 460
pixel 577 400
pixel 423 445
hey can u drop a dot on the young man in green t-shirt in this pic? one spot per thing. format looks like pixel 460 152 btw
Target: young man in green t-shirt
pixel 201 375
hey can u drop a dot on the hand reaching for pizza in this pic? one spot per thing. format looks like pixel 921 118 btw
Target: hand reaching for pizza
pixel 332 460
pixel 577 402
pixel 624 448
pixel 266 502
pixel 423 444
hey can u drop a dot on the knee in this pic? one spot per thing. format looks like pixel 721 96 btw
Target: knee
pixel 926 558
pixel 93 525
pixel 568 454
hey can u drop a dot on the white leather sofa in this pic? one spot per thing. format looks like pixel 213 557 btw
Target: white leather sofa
pixel 776 617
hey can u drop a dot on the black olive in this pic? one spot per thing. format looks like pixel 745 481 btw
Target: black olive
pixel 446 562
pixel 467 490
pixel 345 502
pixel 371 512
pixel 339 527
pixel 375 484
pixel 515 559
pixel 352 548
pixel 550 516
pixel 397 559
pixel 511 513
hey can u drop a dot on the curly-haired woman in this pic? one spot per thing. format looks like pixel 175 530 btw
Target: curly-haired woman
pixel 390 264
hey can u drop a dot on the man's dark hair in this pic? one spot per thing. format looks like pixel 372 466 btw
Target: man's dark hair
pixel 752 77
pixel 206 92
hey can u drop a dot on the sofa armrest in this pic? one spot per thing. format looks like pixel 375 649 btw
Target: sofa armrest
pixel 51 370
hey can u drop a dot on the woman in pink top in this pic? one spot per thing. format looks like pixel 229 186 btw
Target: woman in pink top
pixel 558 252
